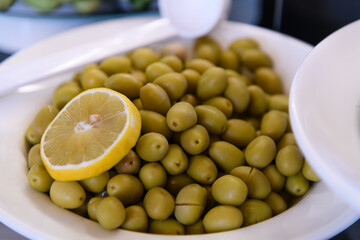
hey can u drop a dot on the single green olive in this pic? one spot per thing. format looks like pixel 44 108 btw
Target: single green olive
pixel 152 147
pixel 154 122
pixel 127 188
pixel 195 140
pixel 152 175
pixel 228 59
pixel 68 195
pixel 136 219
pixel 254 58
pixel 39 178
pixel 64 93
pixel 169 226
pixel 34 155
pixel 212 83
pixel 258 104
pixel 237 92
pixel 174 62
pixel 226 155
pixel 239 132
pixel 91 207
pixel 181 116
pixel 297 185
pixel 192 77
pixel 174 84
pixel 124 83
pixel 260 152
pixel 222 218
pixel 255 211
pixel 268 80
pixel 154 98
pixel 221 103
pixel 198 64
pixel 116 64
pixel 158 203
pixel 239 45
pixel 289 160
pixel 279 102
pixel 143 57
pixel 276 179
pixel 229 190
pixel 110 213
pixel 202 169
pixel 287 139
pixel 276 202
pixel 175 161
pixel 156 70
pixel 274 124
pixel 93 78
pixel 212 119
pixel 195 228
pixel 96 184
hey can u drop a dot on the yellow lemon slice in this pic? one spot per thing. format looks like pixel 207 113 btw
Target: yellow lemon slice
pixel 92 133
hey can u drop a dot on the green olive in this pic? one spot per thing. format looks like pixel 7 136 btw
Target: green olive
pixel 229 190
pixel 138 104
pixel 154 98
pixel 199 65
pixel 228 59
pixel 202 169
pixel 255 58
pixel 40 122
pixel 176 182
pixel 221 103
pixel 93 78
pixel 181 116
pixel 276 179
pixel 268 80
pixel 289 160
pixel 156 70
pixel 169 226
pixel 143 57
pixel 152 147
pixel 136 219
pixel 212 119
pixel 212 83
pixel 175 161
pixel 91 207
pixel 174 84
pixel 96 184
pixel 239 45
pixel 258 101
pixel 174 62
pixel 222 218
pixel 297 185
pixel 190 98
pixel 276 202
pixel 258 185
pixel 208 52
pixel 286 139
pixel 279 102
pixel 154 122
pixel 110 213
pixel 226 155
pixel 260 152
pixel 195 140
pixel 309 173
pixel 127 188
pixel 190 203
pixel 140 75
pixel 274 124
pixel 34 155
pixel 239 132
pixel 116 64
pixel 68 195
pixel 129 164
pixel 158 203
pixel 64 93
pixel 39 178
pixel 152 175
pixel 192 77
pixel 255 211
pixel 237 92
pixel 195 228
pixel 124 83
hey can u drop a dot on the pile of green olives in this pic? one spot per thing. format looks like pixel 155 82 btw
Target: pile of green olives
pixel 216 151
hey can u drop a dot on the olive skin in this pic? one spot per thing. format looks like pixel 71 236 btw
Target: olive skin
pixel 152 175
pixel 274 124
pixel 127 188
pixel 169 226
pixel 239 132
pixel 110 213
pixel 221 103
pixel 255 211
pixel 226 155
pixel 69 195
pixel 276 202
pixel 154 98
pixel 260 151
pixel 212 83
pixel 95 184
pixel 190 203
pixel 154 122
pixel 116 64
pixel 39 178
pixel 309 173
pixel 174 84
pixel 136 219
pixel 297 185
pixel 198 64
pixel 152 147
pixel 181 116
pixel 237 92
pixel 156 70
pixel 289 160
pixel 175 161
pixel 229 190
pixel 34 155
pixel 268 80
pixel 158 203
pixel 202 169
pixel 91 207
pixel 124 83
pixel 195 140
pixel 276 179
pixel 143 57
pixel 211 118
pixel 222 218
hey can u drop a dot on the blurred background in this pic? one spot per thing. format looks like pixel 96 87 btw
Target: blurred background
pixel 24 22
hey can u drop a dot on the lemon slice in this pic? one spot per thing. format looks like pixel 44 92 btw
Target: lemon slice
pixel 92 133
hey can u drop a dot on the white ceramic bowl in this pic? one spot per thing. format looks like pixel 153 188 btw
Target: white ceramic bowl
pixel 319 215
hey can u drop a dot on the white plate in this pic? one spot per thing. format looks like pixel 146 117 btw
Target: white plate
pixel 325 111
pixel 320 215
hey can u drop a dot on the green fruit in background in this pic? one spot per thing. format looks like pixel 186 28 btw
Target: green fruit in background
pixel 44 5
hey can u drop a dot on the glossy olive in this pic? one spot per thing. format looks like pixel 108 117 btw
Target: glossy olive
pixel 199 65
pixel 276 179
pixel 154 98
pixel 174 62
pixel 229 190
pixel 279 102
pixel 297 185
pixel 127 188
pixel 34 155
pixel 116 64
pixel 124 83
pixel 309 173
pixel 181 116
pixel 39 178
pixel 239 45
pixel 143 57
pixel 152 175
pixel 221 103
pixel 157 69
pixel 174 84
pixel 260 151
pixel 274 124
pixel 237 92
pixel 286 139
pixel 192 77
pixel 175 161
pixel 289 160
pixel 152 147
pixel 255 211
pixel 110 213
pixel 136 219
pixel 212 83
pixel 226 155
pixel 268 80
pixel 228 59
pixel 195 140
pixel 91 207
pixel 96 184
pixel 158 203
pixel 202 169
pixel 222 218
pixel 169 226
pixel 255 58
pixel 276 202
pixel 64 93
pixel 239 132
pixel 68 195
pixel 258 101
pixel 93 78
pixel 211 118
pixel 154 122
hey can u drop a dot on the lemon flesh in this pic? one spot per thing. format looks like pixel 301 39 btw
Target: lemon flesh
pixel 92 133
